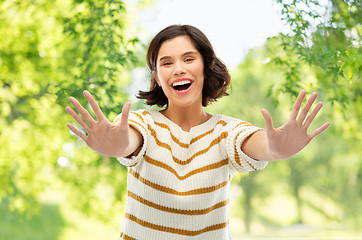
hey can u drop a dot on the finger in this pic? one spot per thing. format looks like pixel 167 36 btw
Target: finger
pixel 77 118
pixel 125 114
pixel 77 132
pixel 268 119
pixel 82 110
pixel 319 130
pixel 94 105
pixel 306 108
pixel 297 104
pixel 312 115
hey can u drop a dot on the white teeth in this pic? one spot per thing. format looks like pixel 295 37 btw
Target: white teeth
pixel 181 83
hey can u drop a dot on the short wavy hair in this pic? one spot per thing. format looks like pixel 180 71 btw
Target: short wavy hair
pixel 216 75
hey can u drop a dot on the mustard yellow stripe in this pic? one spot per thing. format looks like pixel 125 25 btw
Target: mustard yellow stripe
pixel 175 139
pixel 236 154
pixel 243 123
pixel 250 164
pixel 176 230
pixel 237 158
pixel 175 210
pixel 133 165
pixel 233 164
pixel 196 171
pixel 146 113
pixel 130 120
pixel 126 237
pixel 158 142
pixel 185 145
pixel 139 116
pixel 175 192
pixel 222 122
pixel 214 142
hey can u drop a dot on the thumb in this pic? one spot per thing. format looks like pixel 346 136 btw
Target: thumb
pixel 268 119
pixel 125 113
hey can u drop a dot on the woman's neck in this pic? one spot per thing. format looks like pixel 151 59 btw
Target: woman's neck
pixel 186 117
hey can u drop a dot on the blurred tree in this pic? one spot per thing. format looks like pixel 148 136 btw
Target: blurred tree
pixel 327 37
pixel 50 50
pixel 308 171
pixel 249 81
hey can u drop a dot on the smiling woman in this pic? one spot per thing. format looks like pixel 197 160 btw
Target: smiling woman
pixel 216 75
pixel 181 159
pixel 179 65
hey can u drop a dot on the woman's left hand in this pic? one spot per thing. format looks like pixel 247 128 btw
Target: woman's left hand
pixel 293 136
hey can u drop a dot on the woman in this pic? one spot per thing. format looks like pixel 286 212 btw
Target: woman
pixel 181 159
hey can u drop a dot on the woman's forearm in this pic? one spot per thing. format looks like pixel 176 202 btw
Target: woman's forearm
pixel 135 143
pixel 256 147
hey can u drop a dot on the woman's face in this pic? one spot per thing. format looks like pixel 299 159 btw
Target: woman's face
pixel 180 72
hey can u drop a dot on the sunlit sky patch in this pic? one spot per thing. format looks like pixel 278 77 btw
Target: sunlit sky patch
pixel 232 26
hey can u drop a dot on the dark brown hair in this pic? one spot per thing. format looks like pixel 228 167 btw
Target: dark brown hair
pixel 216 75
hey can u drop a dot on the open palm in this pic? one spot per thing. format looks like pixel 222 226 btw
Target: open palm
pixel 107 138
pixel 293 136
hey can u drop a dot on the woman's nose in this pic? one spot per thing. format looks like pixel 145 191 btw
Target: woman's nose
pixel 179 69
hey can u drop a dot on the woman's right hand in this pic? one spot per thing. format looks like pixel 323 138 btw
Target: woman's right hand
pixel 107 138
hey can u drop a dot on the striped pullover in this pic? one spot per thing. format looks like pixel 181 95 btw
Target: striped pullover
pixel 178 183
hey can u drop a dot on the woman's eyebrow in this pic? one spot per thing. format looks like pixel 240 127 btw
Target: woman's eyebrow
pixel 184 54
pixel 163 58
pixel 189 52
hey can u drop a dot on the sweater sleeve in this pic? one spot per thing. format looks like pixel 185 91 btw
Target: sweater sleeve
pixel 136 120
pixel 239 160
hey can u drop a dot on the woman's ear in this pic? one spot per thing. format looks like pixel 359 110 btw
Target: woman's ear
pixel 154 76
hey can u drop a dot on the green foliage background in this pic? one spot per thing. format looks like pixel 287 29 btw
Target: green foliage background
pixel 50 50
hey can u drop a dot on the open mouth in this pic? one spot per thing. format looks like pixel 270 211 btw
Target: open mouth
pixel 182 85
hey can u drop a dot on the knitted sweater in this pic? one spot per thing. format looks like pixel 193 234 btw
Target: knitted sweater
pixel 178 184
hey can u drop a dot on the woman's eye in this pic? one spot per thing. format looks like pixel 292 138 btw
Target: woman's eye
pixel 189 59
pixel 166 64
